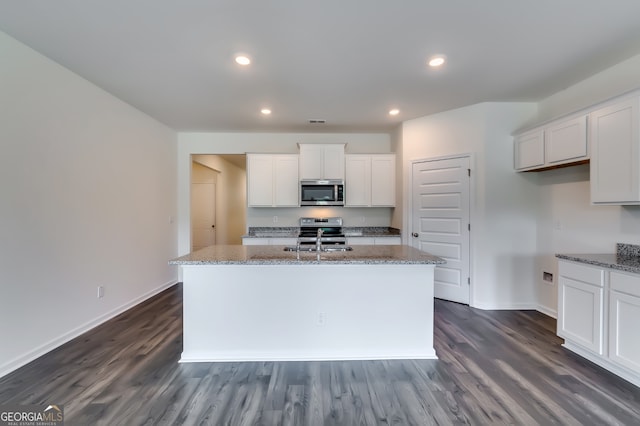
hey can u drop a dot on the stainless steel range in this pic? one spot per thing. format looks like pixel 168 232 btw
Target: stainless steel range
pixel 328 231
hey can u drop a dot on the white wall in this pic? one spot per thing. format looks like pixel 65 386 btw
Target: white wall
pixel 616 80
pixel 241 143
pixel 568 223
pixel 88 190
pixel 503 236
pixel 231 198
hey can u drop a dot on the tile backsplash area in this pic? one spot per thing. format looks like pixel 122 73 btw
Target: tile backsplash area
pixel 627 250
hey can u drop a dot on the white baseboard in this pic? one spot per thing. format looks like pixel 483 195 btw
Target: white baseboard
pixel 60 340
pixel 505 306
pixel 547 311
pixel 630 376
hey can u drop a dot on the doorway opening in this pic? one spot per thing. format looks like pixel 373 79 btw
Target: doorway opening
pixel 218 199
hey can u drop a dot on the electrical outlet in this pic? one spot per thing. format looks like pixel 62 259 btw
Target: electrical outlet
pixel 321 320
pixel 547 276
pixel 100 292
pixel 275 219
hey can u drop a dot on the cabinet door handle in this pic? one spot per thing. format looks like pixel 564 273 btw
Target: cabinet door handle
pixel 415 235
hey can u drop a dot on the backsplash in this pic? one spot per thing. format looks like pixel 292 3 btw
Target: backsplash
pixel 349 231
pixel 627 250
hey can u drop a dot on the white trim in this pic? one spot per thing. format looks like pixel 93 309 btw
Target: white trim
pixel 553 313
pixel 506 306
pixel 66 337
pixel 616 369
pixel 187 357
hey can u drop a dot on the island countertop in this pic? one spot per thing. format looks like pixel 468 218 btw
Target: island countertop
pixel 276 255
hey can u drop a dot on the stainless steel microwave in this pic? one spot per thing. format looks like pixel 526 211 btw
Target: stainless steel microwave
pixel 327 192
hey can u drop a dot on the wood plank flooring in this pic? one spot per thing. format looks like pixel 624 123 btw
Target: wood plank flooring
pixel 495 367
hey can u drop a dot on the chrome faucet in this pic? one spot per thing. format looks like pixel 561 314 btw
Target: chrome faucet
pixel 318 240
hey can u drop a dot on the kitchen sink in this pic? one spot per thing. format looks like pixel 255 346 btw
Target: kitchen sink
pixel 325 249
pixel 337 248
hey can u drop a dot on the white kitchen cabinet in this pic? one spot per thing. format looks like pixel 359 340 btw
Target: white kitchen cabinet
pixel 279 241
pixel 598 316
pixel 383 180
pixel 624 314
pixel 370 180
pixel 378 241
pixel 615 153
pixel 558 143
pixel 581 305
pixel 321 161
pixel 357 180
pixel 255 241
pixel 565 141
pixel 272 180
pixel 388 241
pixel 529 150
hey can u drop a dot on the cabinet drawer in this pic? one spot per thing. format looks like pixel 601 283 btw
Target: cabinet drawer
pixel 624 283
pixel 588 274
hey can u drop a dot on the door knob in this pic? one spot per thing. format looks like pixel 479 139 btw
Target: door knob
pixel 415 235
pixel 213 226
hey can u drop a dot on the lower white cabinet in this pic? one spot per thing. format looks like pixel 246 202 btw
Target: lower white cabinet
pixel 378 241
pixel 581 305
pixel 269 241
pixel 598 316
pixel 624 318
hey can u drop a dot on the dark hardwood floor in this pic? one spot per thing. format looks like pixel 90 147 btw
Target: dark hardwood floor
pixel 495 367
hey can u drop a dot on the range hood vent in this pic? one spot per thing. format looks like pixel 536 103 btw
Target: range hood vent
pixel 317 121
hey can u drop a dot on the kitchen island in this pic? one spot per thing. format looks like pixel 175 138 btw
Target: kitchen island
pixel 262 303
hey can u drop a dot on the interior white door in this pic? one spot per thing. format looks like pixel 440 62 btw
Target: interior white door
pixel 203 206
pixel 441 221
pixel 203 215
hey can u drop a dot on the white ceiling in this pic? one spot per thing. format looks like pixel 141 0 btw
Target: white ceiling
pixel 345 61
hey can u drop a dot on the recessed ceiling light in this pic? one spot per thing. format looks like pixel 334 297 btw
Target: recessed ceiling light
pixel 243 60
pixel 265 111
pixel 436 61
pixel 394 111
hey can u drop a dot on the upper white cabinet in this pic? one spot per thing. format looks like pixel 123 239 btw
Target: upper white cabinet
pixel 566 141
pixel 613 133
pixel 561 142
pixel 529 150
pixel 370 180
pixel 272 180
pixel 322 161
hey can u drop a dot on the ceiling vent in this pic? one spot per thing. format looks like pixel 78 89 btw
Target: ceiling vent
pixel 317 121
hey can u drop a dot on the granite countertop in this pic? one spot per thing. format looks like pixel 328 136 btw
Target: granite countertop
pixel 626 258
pixel 273 232
pixel 349 231
pixel 370 231
pixel 275 255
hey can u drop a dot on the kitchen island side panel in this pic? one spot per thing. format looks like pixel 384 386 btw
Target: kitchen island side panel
pixel 307 312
